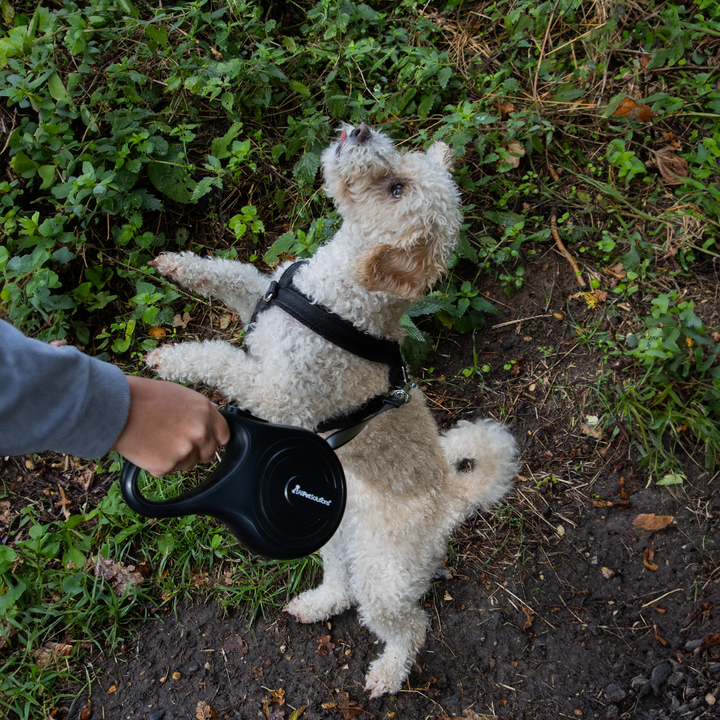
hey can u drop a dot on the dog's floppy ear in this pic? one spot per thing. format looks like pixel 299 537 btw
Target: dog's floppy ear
pixel 441 155
pixel 403 270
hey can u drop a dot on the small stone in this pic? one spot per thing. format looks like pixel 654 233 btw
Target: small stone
pixel 659 675
pixel 176 675
pixel 710 699
pixel 155 715
pixel 614 693
pixel 192 668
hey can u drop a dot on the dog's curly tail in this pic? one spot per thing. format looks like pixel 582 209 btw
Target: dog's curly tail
pixel 483 460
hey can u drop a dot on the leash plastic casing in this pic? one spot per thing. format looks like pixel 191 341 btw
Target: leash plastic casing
pixel 279 489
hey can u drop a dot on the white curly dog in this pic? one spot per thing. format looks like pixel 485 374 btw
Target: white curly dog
pixel 405 494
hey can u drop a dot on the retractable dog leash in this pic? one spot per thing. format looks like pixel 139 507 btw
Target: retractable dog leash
pixel 281 489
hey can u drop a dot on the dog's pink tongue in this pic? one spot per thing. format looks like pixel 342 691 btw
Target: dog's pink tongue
pixel 343 137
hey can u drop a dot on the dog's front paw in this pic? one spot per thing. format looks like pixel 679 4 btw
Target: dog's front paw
pixel 167 264
pixel 160 360
pixel 318 604
pixel 304 610
pixel 385 676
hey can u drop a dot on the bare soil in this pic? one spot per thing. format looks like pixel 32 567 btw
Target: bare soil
pixel 555 605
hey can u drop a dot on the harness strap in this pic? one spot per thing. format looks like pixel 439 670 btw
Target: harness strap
pixel 347 336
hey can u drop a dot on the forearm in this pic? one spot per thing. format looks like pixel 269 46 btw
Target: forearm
pixel 57 398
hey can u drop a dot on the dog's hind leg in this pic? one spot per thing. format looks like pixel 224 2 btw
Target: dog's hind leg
pixel 334 595
pixel 238 285
pixel 403 630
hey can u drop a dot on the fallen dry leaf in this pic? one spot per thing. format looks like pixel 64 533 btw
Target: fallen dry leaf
pixel 50 653
pixel 623 504
pixel 111 690
pixel 505 108
pixel 121 578
pixel 176 675
pixel 157 332
pixel 652 522
pixel 235 644
pixel 516 151
pixel 181 321
pixel 658 637
pixel 226 319
pixel 630 109
pixel 648 558
pixel 203 711
pixel 325 647
pixel 672 168
pixel 608 573
pixel 708 642
pixel 350 710
pixel 530 615
pixel 591 299
pixel 86 711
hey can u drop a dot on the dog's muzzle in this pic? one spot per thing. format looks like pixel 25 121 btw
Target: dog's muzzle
pixel 357 136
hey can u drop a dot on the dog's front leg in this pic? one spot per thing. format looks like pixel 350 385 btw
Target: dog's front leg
pixel 334 594
pixel 238 285
pixel 215 363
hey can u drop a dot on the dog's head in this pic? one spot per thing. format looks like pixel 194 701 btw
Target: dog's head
pixel 400 210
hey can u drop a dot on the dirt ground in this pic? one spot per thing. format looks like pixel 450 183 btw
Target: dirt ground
pixel 556 606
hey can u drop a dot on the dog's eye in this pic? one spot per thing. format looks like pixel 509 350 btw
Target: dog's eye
pixel 396 189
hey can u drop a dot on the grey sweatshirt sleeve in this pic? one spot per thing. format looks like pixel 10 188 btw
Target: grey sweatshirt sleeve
pixel 57 398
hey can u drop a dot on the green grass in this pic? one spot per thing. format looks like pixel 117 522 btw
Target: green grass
pixel 199 126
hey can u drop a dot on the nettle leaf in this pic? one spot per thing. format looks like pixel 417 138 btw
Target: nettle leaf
pixel 219 146
pixel 280 246
pixel 204 187
pixel 444 76
pixel 306 168
pixel 299 88
pixel 504 219
pixel 173 181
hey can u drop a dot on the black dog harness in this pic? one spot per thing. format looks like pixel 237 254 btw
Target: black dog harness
pixel 284 294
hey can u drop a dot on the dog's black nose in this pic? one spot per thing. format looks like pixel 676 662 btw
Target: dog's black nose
pixel 361 133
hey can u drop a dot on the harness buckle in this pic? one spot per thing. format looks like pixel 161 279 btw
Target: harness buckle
pixel 400 396
pixel 271 293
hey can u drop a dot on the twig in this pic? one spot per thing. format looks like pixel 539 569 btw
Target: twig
pixel 515 322
pixel 563 249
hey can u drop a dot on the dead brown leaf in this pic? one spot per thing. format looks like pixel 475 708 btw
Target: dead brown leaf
pixel 708 642
pixel 530 615
pixel 652 522
pixel 226 319
pixel 505 108
pixel 51 653
pixel 157 332
pixel 203 711
pixel 325 647
pixel 86 711
pixel 671 167
pixel 235 644
pixel 121 578
pixel 181 320
pixel 516 151
pixel 350 710
pixel 624 504
pixel 659 637
pixel 648 558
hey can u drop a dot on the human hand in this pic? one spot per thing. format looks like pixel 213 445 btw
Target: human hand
pixel 169 427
